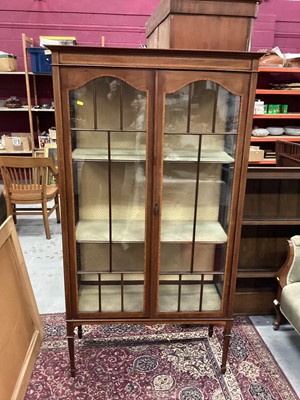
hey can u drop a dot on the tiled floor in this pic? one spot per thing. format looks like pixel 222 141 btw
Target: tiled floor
pixel 45 266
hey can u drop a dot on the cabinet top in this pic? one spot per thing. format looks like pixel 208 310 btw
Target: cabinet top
pixel 154 58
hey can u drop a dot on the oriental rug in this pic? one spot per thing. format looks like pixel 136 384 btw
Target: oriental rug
pixel 161 362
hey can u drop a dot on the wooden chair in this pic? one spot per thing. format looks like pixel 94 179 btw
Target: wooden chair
pixel 26 182
pixel 287 302
pixel 287 154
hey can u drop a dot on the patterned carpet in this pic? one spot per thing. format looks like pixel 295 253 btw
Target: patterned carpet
pixel 156 362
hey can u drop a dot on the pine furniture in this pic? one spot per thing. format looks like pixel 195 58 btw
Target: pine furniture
pixel 26 184
pixel 22 333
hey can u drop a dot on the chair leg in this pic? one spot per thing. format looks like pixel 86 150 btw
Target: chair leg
pixel 56 200
pixel 14 214
pixel 10 210
pixel 46 221
pixel 277 321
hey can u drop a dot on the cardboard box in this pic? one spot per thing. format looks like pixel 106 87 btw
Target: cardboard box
pixel 17 142
pixel 57 40
pixel 8 63
pixel 256 154
pixel 52 135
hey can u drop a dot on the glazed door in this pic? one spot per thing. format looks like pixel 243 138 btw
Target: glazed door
pixel 111 130
pixel 200 148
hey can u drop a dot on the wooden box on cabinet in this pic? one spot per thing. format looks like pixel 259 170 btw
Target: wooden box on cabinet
pixel 190 24
pixel 152 152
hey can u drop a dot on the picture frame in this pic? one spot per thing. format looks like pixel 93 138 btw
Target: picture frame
pixel 50 150
pixel 38 152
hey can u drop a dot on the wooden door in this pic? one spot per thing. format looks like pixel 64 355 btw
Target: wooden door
pixel 200 132
pixel 108 133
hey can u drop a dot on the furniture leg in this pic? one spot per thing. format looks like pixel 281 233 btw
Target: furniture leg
pixel 45 219
pixel 277 321
pixel 70 337
pixel 226 342
pixel 56 200
pixel 10 209
pixel 210 330
pixel 80 331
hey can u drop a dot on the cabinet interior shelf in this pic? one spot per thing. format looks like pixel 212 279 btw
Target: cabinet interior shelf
pixel 255 273
pixel 128 154
pixel 277 116
pixel 276 221
pixel 88 231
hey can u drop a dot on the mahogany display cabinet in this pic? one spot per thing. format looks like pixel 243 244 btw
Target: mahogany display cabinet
pixel 153 148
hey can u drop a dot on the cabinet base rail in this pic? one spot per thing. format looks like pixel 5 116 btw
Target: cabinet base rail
pixel 226 334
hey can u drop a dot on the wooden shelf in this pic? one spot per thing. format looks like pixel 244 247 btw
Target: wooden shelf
pixel 278 92
pixel 12 73
pixel 257 274
pixel 279 69
pixel 255 222
pixel 208 156
pixel 277 116
pixel 14 153
pixel 266 161
pixel 4 109
pixel 91 231
pixel 102 155
pixel 42 110
pixel 273 138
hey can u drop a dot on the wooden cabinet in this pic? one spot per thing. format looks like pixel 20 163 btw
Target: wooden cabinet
pixel 271 209
pixel 205 25
pixel 271 215
pixel 153 149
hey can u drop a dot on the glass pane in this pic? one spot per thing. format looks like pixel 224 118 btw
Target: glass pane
pixel 201 107
pixel 111 292
pixel 109 161
pixel 197 292
pixel 199 154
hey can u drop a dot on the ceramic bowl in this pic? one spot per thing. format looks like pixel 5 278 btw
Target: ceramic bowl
pixel 260 132
pixel 275 130
pixel 292 130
